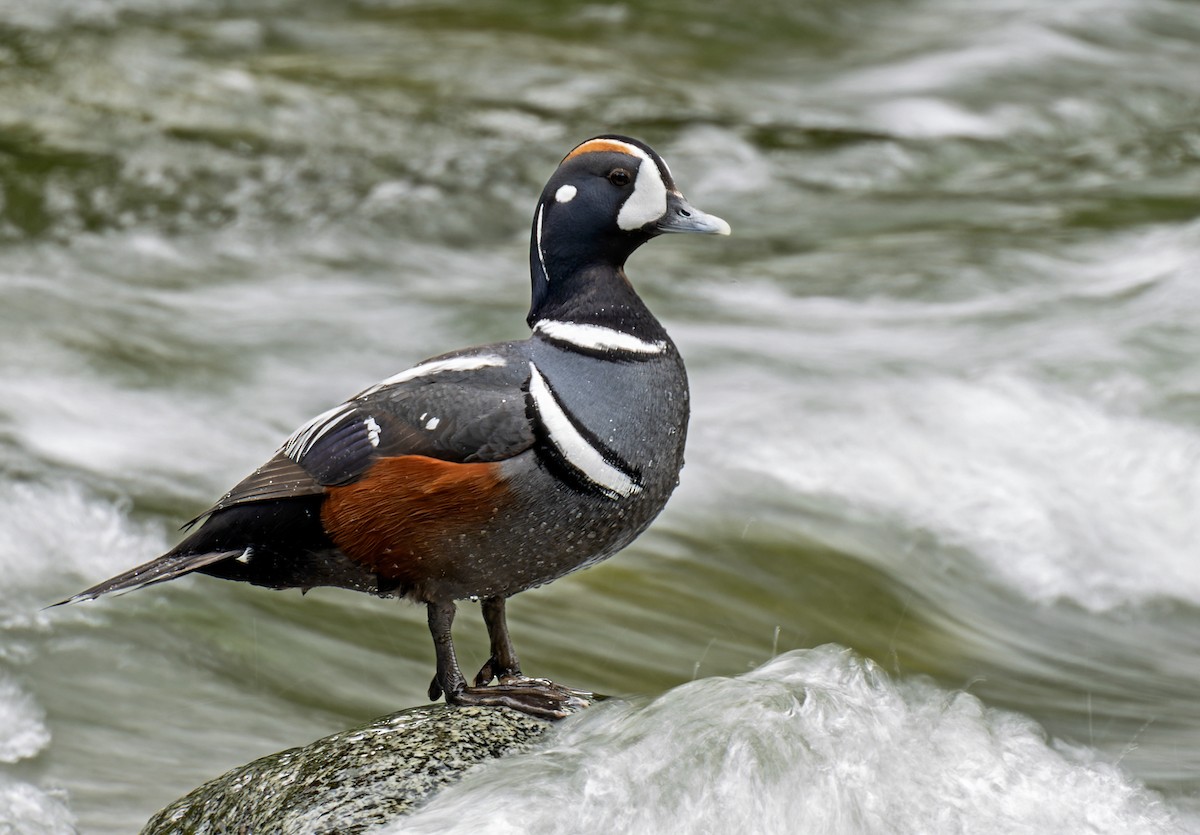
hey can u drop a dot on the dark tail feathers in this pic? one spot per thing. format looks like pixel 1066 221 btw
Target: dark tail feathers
pixel 166 567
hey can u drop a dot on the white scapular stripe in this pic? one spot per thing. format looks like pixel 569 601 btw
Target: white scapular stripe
pixel 597 337
pixel 469 362
pixel 648 202
pixel 573 446
pixel 302 440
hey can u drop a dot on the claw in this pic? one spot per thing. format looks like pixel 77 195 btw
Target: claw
pixel 486 673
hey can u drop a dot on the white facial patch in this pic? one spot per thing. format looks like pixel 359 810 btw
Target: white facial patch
pixel 648 202
pixel 566 193
pixel 571 444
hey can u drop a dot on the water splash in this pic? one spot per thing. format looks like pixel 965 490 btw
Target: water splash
pixel 28 810
pixel 55 532
pixel 25 808
pixel 815 741
pixel 1057 497
pixel 23 731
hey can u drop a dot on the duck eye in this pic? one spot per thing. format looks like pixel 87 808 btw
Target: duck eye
pixel 620 177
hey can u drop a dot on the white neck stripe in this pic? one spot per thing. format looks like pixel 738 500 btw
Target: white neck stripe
pixel 597 337
pixel 573 447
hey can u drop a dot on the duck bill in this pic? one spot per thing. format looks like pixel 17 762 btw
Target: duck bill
pixel 681 216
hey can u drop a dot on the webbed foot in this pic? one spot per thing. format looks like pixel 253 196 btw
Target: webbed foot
pixel 533 696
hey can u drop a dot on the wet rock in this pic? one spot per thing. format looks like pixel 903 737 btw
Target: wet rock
pixel 353 780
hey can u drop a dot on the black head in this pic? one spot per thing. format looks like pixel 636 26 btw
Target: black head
pixel 608 196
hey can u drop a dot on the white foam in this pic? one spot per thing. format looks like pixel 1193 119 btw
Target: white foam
pixel 957 56
pixel 114 434
pixel 28 810
pixel 815 741
pixel 1058 497
pixel 55 537
pixel 927 117
pixel 23 731
pixel 1041 447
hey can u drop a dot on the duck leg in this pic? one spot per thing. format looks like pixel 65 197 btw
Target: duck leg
pixel 503 663
pixel 533 696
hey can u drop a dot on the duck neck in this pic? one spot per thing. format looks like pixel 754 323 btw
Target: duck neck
pixel 585 283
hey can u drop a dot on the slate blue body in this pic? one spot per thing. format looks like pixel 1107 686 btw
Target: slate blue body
pixel 490 470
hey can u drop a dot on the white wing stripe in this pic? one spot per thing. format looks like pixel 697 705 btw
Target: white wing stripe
pixel 573 446
pixel 302 440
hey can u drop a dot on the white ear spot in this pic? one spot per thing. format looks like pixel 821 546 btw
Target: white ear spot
pixel 566 194
pixel 649 199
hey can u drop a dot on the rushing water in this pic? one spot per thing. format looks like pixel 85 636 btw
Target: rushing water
pixel 934 563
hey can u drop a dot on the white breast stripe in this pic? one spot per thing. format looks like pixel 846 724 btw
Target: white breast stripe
pixel 597 338
pixel 469 362
pixel 573 446
pixel 302 440
pixel 649 199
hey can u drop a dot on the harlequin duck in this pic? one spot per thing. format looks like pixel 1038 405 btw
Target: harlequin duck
pixel 491 470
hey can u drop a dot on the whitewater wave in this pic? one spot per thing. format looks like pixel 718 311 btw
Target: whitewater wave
pixel 59 536
pixel 815 741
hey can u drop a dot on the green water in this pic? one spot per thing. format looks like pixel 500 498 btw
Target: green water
pixel 945 376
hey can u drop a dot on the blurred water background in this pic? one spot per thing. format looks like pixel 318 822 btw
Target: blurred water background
pixel 933 564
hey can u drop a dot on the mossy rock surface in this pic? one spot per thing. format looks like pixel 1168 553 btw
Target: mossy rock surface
pixel 353 780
